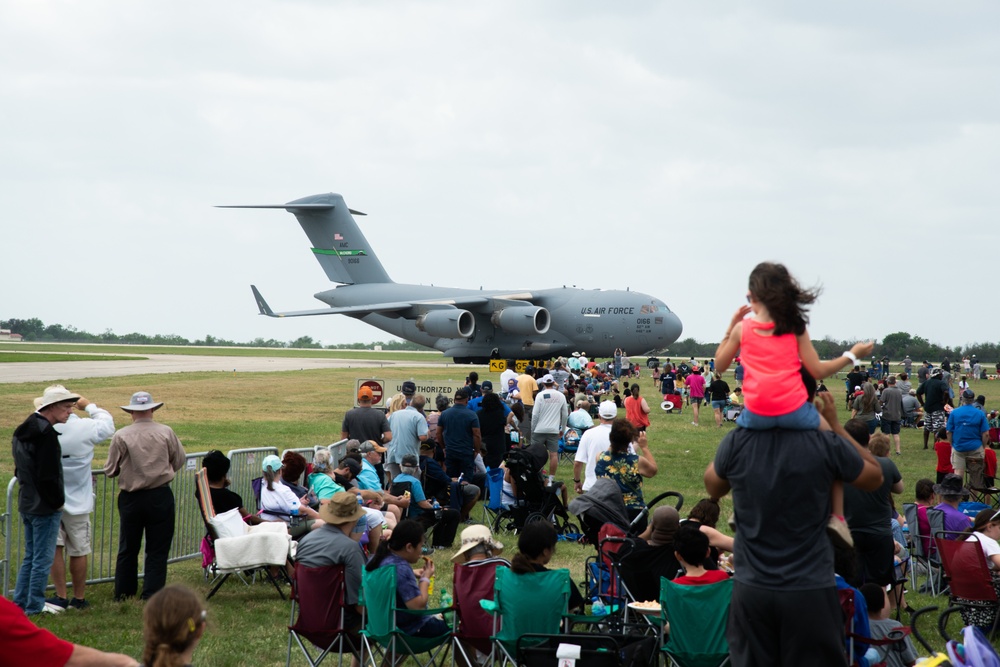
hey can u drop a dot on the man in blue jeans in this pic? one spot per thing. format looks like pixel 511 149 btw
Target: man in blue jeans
pixel 40 496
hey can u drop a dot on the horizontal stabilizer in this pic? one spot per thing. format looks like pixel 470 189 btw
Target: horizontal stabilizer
pixel 292 207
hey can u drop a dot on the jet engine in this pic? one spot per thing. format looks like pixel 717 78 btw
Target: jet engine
pixel 447 323
pixel 523 320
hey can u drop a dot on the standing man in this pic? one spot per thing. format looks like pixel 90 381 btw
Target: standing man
pixel 932 395
pixel 527 387
pixel 594 442
pixel 144 456
pixel 40 496
pixel 365 422
pixel 77 438
pixel 784 608
pixel 907 365
pixel 560 375
pixel 548 420
pixel 458 429
pixel 409 429
pixel 969 431
pixel 892 411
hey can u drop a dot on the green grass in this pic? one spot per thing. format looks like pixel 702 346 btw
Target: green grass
pixel 428 357
pixel 19 357
pixel 304 408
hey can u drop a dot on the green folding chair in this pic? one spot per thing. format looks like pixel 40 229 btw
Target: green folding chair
pixel 698 616
pixel 525 604
pixel 379 634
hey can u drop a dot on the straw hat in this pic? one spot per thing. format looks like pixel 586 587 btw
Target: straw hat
pixel 473 536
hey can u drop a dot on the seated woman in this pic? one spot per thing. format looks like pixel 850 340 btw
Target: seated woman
pixel 322 481
pixel 536 545
pixel 476 562
pixel 404 549
pixel 580 418
pixel 479 548
pixel 625 468
pixel 216 465
pixel 293 465
pixel 986 530
pixel 277 500
pixel 705 514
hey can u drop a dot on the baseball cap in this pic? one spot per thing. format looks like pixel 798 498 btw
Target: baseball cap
pixel 410 460
pixel 409 388
pixel 365 392
pixel 487 385
pixel 936 372
pixel 371 446
pixel 548 379
pixel 271 461
pixel 461 393
pixel 607 410
pixel 968 395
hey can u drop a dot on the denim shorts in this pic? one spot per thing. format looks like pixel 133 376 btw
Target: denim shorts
pixel 804 418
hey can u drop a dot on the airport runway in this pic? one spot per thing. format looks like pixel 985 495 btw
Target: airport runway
pixel 47 371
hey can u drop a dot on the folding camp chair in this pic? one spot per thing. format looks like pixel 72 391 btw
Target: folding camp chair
pixel 969 576
pixel 380 635
pixel 473 624
pixel 569 443
pixel 264 546
pixel 533 603
pixel 975 470
pixel 698 617
pixel 494 513
pixel 319 593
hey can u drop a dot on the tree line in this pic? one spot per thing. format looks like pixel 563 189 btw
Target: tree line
pixel 34 330
pixel 895 346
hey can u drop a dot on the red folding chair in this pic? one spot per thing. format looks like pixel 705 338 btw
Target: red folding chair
pixel 968 576
pixel 473 627
pixel 319 593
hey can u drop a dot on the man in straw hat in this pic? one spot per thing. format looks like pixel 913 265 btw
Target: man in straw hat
pixel 40 495
pixel 144 456
pixel 331 544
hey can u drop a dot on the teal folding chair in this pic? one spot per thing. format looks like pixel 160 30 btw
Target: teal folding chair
pixel 525 604
pixel 379 634
pixel 698 617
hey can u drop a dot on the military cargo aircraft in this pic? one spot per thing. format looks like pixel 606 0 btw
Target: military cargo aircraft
pixel 472 326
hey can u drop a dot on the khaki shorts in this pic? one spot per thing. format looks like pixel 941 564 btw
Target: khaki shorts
pixel 958 458
pixel 74 534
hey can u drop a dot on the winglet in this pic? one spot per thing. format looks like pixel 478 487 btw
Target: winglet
pixel 261 304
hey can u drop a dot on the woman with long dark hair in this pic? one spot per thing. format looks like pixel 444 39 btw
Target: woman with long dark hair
pixel 865 406
pixel 536 546
pixel 637 409
pixel 622 464
pixel 492 426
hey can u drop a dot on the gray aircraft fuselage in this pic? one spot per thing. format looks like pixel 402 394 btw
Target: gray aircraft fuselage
pixel 470 325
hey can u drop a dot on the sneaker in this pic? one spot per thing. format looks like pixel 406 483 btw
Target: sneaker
pixel 57 601
pixel 77 603
pixel 50 608
pixel 838 531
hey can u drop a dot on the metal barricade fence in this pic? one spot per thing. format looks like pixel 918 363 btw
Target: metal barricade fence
pixel 244 468
pixel 189 527
pixel 337 451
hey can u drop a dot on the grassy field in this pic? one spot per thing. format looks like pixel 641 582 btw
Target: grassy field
pixel 429 357
pixel 301 409
pixel 20 357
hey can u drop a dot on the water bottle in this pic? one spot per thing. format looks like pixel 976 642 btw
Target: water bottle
pixel 598 608
pixel 293 511
pixel 446 601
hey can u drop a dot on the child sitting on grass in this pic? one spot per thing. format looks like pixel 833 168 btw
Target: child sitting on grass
pixel 173 623
pixel 773 345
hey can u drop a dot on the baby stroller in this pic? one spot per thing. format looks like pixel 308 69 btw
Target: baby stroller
pixel 534 500
pixel 731 411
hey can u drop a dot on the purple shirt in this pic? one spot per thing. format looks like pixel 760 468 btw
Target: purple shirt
pixel 407 588
pixel 953 520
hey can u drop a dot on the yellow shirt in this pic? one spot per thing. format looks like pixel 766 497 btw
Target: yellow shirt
pixel 527 386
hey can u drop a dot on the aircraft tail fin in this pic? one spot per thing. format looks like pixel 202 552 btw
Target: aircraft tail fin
pixel 337 242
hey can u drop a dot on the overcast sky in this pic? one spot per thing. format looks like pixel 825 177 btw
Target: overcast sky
pixel 663 147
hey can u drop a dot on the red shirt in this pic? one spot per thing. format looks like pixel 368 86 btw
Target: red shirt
pixel 943 450
pixel 710 577
pixel 25 644
pixel 772 384
pixel 990 462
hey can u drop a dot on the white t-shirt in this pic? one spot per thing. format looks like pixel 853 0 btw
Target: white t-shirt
pixel 282 498
pixel 594 442
pixel 990 547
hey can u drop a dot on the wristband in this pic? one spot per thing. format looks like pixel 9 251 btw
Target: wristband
pixel 850 355
pixel 425 580
pixel 576 481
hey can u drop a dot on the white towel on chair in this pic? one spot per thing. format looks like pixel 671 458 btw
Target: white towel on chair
pixel 259 547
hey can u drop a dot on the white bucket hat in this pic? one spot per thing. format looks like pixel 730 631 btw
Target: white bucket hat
pixel 141 401
pixel 55 394
pixel 475 535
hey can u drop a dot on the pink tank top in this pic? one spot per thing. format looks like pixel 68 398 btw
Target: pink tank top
pixel 772 385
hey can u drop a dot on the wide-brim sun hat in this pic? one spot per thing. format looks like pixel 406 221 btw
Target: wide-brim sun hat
pixel 140 402
pixel 472 537
pixel 342 508
pixel 55 394
pixel 951 485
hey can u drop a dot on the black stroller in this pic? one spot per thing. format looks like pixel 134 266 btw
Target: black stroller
pixel 534 500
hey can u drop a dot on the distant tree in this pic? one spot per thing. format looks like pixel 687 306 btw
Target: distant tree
pixel 304 342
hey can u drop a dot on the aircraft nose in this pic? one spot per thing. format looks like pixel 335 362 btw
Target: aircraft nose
pixel 672 328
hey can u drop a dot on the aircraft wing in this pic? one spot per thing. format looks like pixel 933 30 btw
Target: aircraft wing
pixel 427 304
